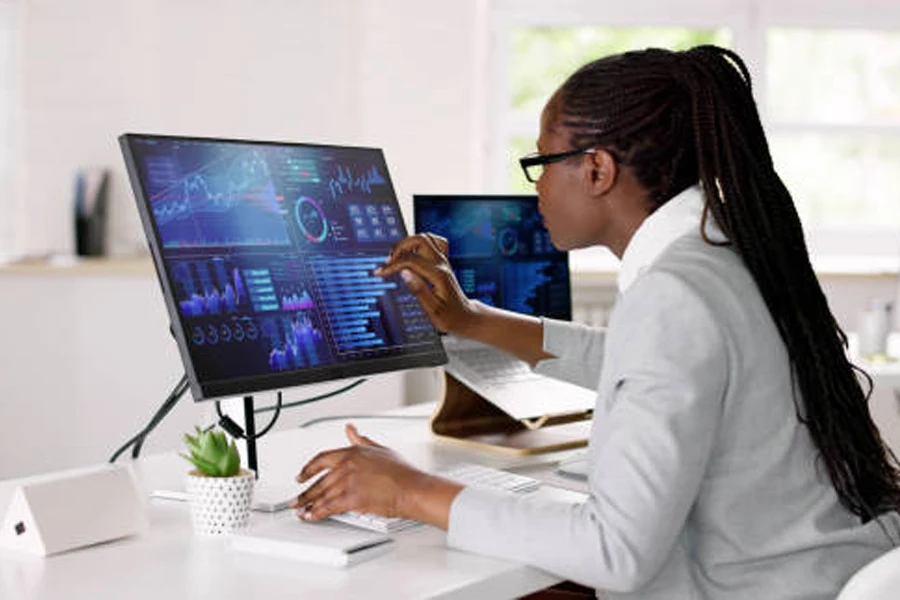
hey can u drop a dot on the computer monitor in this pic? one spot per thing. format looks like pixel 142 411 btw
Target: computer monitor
pixel 265 253
pixel 500 251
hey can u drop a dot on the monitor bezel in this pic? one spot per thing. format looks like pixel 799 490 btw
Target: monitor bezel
pixel 244 386
pixel 422 198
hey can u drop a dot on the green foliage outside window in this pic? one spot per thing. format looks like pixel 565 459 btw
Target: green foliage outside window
pixel 542 57
pixel 817 77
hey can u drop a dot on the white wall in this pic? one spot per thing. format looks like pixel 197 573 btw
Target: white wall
pixel 401 74
pixel 97 68
pixel 406 75
pixel 88 359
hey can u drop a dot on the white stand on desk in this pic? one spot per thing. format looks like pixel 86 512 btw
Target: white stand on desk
pixel 72 510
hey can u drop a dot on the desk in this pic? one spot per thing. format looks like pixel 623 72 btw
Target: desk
pixel 169 562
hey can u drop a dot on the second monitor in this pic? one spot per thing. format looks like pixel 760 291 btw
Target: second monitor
pixel 502 255
pixel 500 251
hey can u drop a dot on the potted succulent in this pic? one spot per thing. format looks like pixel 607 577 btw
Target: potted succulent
pixel 220 491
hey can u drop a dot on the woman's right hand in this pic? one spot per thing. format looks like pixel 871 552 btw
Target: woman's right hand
pixel 421 260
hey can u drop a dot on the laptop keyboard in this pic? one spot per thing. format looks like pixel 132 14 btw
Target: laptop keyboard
pixel 494 367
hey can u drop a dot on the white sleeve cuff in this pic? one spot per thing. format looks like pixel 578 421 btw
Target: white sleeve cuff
pixel 578 352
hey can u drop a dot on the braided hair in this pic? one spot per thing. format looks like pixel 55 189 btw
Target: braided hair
pixel 676 118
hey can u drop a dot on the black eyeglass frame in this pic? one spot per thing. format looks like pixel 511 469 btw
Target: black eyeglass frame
pixel 535 160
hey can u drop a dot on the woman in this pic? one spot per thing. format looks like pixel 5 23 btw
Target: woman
pixel 732 452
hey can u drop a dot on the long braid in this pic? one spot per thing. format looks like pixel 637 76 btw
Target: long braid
pixel 676 118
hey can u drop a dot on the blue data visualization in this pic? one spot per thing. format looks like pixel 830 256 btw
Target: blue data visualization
pixel 222 201
pixel 268 252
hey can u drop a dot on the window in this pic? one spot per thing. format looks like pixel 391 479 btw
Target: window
pixel 827 84
pixel 9 207
pixel 542 57
pixel 833 108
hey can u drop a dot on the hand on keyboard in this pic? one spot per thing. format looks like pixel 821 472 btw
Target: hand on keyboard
pixel 365 477
pixel 465 473
pixel 369 478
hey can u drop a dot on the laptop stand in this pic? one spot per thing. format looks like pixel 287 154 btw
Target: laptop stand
pixel 465 417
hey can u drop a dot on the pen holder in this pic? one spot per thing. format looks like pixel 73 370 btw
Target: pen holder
pixel 90 211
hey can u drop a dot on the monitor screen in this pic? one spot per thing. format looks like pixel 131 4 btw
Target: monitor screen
pixel 265 253
pixel 500 251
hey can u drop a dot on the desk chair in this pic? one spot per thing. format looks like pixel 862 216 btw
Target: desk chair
pixel 878 580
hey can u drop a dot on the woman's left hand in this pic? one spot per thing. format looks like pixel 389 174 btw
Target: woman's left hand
pixel 367 477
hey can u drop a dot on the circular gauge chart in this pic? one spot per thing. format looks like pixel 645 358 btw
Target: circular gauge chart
pixel 311 220
pixel 197 336
pixel 508 242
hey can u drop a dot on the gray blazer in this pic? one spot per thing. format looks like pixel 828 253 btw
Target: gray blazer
pixel 703 482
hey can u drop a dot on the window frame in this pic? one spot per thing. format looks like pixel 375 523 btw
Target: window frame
pixel 748 21
pixel 12 206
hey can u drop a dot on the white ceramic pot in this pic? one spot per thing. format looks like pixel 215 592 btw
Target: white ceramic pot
pixel 220 505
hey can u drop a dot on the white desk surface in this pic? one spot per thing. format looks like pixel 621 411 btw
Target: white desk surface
pixel 169 562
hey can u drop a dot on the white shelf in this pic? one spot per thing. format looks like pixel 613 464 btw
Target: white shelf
pixel 77 266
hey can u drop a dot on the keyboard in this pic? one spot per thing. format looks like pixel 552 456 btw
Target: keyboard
pixel 488 477
pixel 494 366
pixel 465 473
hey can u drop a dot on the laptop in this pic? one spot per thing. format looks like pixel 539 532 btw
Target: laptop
pixel 501 254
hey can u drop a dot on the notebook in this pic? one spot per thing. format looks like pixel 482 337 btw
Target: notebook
pixel 322 542
pixel 502 255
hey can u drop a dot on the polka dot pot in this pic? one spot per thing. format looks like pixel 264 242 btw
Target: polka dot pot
pixel 220 505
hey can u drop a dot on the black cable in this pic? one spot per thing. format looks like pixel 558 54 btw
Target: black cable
pixel 173 399
pixel 340 417
pixel 167 407
pixel 137 441
pixel 346 388
pixel 228 424
pixel 278 407
pixel 168 404
pixel 235 430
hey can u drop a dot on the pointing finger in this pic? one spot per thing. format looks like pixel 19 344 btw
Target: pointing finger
pixel 428 245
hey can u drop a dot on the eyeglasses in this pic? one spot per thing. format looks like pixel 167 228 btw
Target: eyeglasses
pixel 531 162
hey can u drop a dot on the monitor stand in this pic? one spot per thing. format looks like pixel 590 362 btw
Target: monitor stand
pixel 250 435
pixel 268 495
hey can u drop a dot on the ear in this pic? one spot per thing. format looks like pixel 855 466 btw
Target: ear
pixel 603 172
